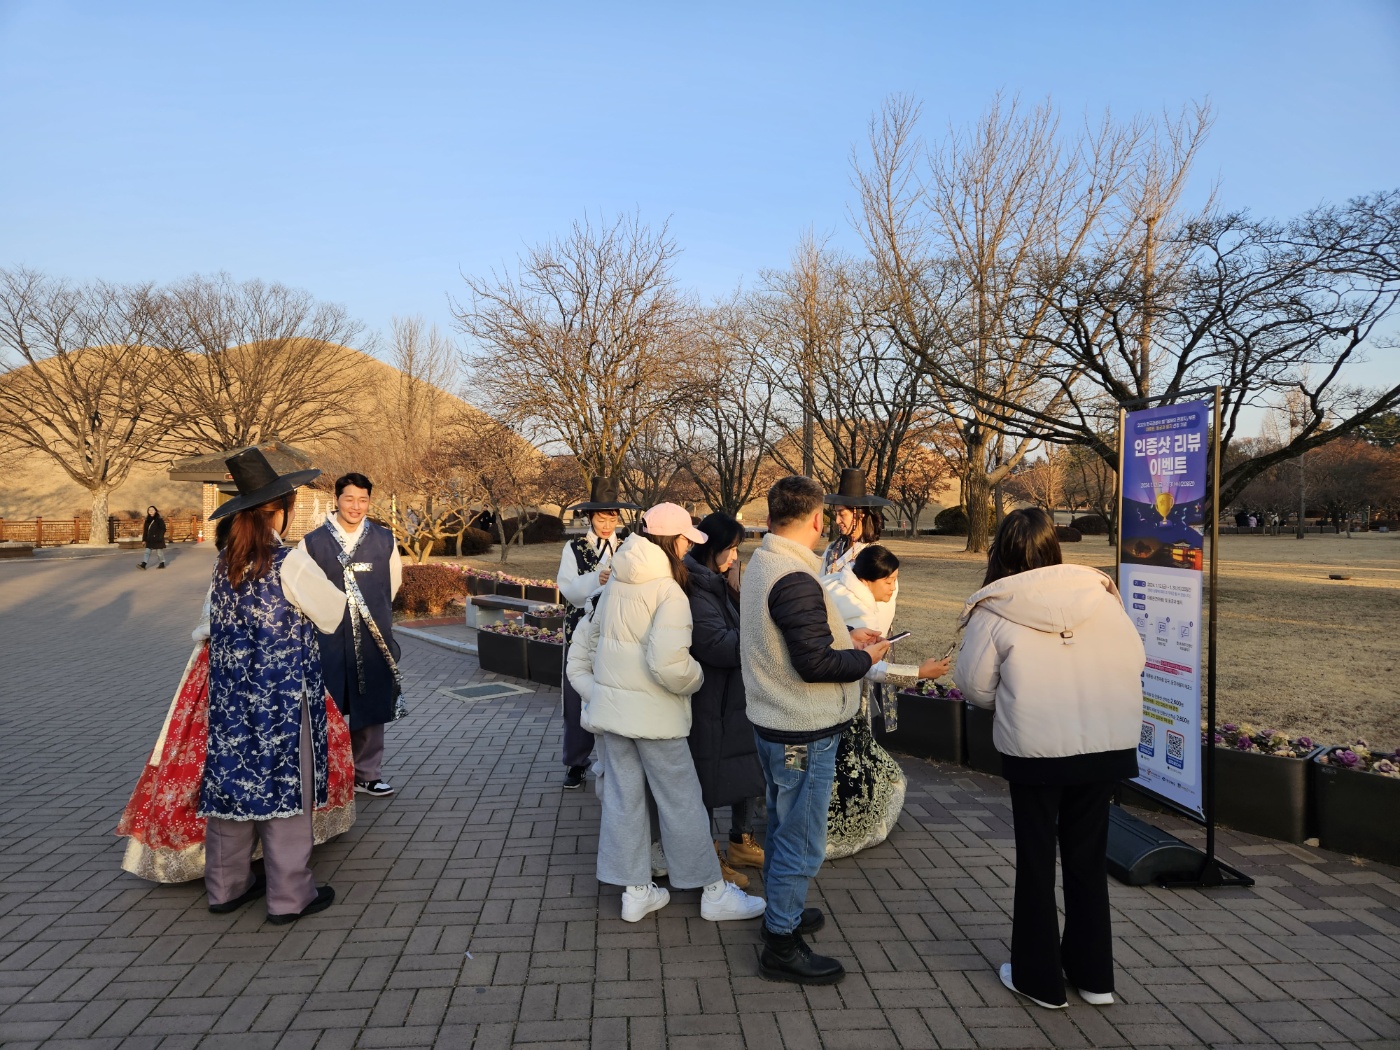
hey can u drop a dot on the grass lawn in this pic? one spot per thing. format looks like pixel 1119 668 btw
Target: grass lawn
pixel 1298 652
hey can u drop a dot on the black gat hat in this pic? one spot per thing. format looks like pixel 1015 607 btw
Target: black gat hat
pixel 257 482
pixel 851 491
pixel 603 495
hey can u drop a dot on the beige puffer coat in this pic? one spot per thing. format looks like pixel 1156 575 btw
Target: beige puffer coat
pixel 1054 653
pixel 630 657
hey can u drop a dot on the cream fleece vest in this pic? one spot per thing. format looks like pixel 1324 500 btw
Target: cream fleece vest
pixel 777 698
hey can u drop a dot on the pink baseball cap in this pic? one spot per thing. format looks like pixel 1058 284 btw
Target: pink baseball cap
pixel 667 519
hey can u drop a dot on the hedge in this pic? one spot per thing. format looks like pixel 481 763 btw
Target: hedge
pixel 951 522
pixel 544 529
pixel 426 589
pixel 1068 534
pixel 1091 525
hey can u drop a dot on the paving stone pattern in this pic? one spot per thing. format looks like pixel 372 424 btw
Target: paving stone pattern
pixel 468 915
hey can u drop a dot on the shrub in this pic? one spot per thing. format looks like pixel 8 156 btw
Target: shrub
pixel 1068 534
pixel 1091 525
pixel 427 589
pixel 474 542
pixel 544 529
pixel 951 522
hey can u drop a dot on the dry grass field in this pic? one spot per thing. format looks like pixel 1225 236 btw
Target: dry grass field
pixel 1298 651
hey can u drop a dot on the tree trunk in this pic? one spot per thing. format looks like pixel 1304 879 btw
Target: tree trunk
pixel 977 496
pixel 97 529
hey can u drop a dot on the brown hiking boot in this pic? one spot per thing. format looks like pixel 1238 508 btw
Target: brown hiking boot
pixel 746 854
pixel 729 874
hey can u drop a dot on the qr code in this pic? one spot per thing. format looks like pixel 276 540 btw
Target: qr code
pixel 1176 750
pixel 1147 739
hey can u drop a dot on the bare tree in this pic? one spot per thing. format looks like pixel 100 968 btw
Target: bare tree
pixel 1040 481
pixel 852 393
pixel 82 381
pixel 727 425
pixel 258 361
pixel 586 345
pixel 962 235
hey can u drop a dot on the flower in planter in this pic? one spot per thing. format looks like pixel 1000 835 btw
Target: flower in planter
pixel 547 610
pixel 1244 743
pixel 1362 759
pixel 1244 737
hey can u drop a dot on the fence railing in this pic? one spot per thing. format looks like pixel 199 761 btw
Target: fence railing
pixel 55 532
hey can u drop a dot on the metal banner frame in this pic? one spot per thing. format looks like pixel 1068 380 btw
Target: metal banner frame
pixel 1213 871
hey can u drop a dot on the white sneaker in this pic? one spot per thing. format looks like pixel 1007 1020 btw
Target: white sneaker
pixel 1006 980
pixel 722 901
pixel 1096 998
pixel 658 861
pixel 640 901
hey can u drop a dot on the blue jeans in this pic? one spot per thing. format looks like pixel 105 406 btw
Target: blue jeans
pixel 795 846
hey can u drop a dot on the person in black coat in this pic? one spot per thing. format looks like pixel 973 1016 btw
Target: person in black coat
pixel 153 538
pixel 721 736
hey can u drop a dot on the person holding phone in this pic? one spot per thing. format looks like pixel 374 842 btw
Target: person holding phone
pixel 801 667
pixel 868 794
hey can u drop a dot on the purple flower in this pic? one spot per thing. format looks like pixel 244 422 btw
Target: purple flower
pixel 1230 727
pixel 955 694
pixel 1386 767
pixel 1245 744
pixel 1306 743
pixel 1219 739
pixel 1346 758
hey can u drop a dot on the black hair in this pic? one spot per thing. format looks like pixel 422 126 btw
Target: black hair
pixel 221 531
pixel 875 563
pixel 723 532
pixel 793 498
pixel 358 480
pixel 1025 540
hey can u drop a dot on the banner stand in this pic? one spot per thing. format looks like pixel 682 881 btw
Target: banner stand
pixel 1138 852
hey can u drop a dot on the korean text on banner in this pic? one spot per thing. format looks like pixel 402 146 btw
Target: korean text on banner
pixel 1160 561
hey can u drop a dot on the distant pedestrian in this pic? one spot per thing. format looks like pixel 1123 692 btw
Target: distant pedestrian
pixel 360 659
pixel 1049 649
pixel 153 537
pixel 631 664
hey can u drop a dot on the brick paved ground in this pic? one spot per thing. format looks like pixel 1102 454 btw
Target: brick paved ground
pixel 481 853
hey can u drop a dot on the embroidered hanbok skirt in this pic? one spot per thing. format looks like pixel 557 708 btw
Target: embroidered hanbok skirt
pixel 868 793
pixel 166 837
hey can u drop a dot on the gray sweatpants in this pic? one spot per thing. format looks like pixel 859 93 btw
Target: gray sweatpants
pixel 624 839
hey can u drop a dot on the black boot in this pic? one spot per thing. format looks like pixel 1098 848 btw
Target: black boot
pixel 786 957
pixel 812 921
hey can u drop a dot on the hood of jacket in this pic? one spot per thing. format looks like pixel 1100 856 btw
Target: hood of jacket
pixel 639 560
pixel 1055 599
pixel 704 577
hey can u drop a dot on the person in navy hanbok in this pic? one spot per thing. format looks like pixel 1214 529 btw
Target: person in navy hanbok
pixel 266 766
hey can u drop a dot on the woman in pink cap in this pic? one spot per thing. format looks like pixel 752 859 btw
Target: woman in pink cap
pixel 630 662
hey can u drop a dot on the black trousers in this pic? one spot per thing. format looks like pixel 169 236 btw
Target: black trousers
pixel 1075 815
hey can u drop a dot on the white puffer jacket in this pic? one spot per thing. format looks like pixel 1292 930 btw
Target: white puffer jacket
pixel 1054 653
pixel 858 608
pixel 630 657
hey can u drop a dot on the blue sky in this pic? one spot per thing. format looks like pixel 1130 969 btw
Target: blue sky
pixel 371 152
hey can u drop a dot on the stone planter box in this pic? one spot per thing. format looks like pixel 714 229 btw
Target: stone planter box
pixel 510 590
pixel 502 653
pixel 982 754
pixel 548 595
pixel 1356 812
pixel 1264 795
pixel 545 662
pixel 549 623
pixel 928 727
pixel 480 585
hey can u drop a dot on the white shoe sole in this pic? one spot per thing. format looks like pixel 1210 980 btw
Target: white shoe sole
pixel 1096 998
pixel 1005 972
pixel 640 912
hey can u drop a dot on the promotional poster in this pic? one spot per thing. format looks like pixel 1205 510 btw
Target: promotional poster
pixel 1160 579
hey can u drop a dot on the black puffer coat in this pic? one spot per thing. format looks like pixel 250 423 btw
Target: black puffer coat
pixel 153 533
pixel 721 736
